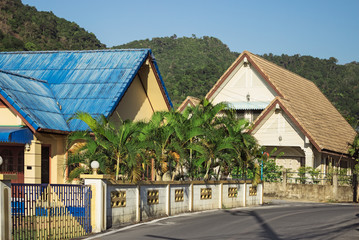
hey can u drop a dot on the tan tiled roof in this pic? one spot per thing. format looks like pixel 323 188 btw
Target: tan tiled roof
pixel 312 111
pixel 189 100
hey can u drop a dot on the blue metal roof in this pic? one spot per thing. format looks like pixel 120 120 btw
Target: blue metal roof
pixel 89 81
pixel 248 105
pixel 15 135
pixel 33 99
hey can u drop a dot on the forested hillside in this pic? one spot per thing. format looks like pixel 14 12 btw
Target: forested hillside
pixel 190 66
pixel 24 28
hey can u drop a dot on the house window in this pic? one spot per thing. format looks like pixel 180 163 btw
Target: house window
pixel 240 114
pixel 13 159
pixel 8 159
pixel 256 113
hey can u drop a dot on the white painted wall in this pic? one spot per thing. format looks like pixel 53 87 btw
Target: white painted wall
pixel 243 81
pixel 137 194
pixel 153 210
pixel 231 202
pixel 183 206
pixel 277 124
pixel 250 200
pixel 118 215
pixel 205 204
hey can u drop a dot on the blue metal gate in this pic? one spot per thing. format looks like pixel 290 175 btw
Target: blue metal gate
pixel 50 211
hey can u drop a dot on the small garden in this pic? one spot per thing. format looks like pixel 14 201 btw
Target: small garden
pixel 206 142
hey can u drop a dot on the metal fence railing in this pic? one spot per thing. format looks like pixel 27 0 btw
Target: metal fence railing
pixel 306 178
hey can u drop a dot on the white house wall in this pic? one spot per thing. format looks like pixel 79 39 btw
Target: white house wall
pixel 244 81
pixel 278 130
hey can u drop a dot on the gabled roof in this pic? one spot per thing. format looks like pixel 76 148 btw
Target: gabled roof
pixel 89 81
pixel 193 101
pixel 307 106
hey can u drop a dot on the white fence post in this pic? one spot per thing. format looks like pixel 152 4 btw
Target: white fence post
pixel 220 195
pixel 5 206
pixel 98 201
pixel 191 197
pixel 244 194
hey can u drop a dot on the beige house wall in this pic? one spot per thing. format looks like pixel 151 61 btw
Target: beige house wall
pixel 142 98
pixel 8 118
pixel 134 105
pixel 32 163
pixel 278 130
pixel 57 144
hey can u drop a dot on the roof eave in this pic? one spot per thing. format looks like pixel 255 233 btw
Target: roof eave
pixel 338 154
pixel 46 130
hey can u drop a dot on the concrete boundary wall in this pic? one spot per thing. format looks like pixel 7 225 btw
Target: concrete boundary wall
pixel 129 203
pixel 308 192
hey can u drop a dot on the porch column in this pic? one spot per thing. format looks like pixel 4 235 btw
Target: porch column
pixel 309 160
pixel 309 156
pixel 32 163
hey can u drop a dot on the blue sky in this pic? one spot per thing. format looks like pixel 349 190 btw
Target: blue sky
pixel 320 28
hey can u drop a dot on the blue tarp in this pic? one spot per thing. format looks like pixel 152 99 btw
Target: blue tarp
pixel 15 135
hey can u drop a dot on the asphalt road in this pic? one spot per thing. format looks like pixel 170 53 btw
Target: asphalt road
pixel 282 220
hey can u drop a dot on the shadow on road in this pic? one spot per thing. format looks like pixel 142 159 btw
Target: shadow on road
pixel 160 237
pixel 267 230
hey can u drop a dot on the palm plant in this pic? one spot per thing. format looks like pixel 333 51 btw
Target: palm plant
pixel 211 144
pixel 244 146
pixel 159 137
pixel 117 144
pixel 85 148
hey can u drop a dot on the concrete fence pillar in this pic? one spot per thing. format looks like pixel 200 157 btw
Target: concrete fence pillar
pixel 220 202
pixel 261 188
pixel 138 203
pixel 191 198
pixel 98 201
pixel 5 206
pixel 284 183
pixel 244 192
pixel 168 203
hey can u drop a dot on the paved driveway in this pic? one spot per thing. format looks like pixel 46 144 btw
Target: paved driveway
pixel 281 220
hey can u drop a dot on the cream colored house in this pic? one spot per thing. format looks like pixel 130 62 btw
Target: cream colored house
pixel 288 112
pixel 40 91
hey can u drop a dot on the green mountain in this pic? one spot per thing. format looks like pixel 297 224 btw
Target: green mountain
pixel 24 28
pixel 190 66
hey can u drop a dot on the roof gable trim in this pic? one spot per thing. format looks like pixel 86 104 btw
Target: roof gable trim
pixel 270 108
pixel 233 67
